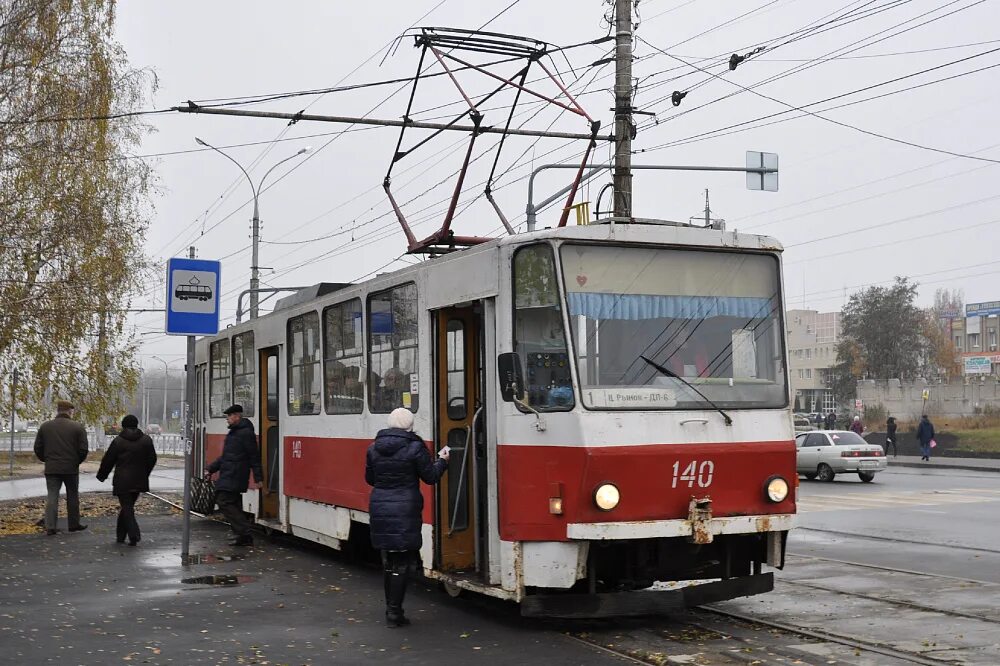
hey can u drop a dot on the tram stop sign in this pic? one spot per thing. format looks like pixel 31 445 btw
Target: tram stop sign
pixel 192 300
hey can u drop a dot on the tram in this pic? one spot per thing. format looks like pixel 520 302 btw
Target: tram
pixel 615 397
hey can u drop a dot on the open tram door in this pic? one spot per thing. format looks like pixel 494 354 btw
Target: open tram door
pixel 460 424
pixel 270 460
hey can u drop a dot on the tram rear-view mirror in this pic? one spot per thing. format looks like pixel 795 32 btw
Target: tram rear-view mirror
pixel 511 377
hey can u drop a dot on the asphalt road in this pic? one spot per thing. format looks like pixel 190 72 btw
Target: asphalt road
pixel 910 562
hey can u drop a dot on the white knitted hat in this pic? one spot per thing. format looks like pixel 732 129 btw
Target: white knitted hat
pixel 401 418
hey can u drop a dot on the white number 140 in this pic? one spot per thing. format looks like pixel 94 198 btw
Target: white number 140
pixel 694 472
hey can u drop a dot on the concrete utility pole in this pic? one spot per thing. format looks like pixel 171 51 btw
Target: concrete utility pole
pixel 623 109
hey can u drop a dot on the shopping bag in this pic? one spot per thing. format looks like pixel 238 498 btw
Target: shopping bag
pixel 933 443
pixel 202 495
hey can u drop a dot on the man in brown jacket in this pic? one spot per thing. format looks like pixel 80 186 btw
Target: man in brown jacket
pixel 62 445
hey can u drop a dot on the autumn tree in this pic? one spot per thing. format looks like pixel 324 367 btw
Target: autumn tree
pixel 74 203
pixel 940 356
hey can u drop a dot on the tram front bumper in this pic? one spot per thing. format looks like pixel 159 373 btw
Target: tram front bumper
pixel 652 529
pixel 643 602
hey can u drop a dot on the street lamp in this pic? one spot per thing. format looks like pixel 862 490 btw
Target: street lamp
pixel 254 268
pixel 166 376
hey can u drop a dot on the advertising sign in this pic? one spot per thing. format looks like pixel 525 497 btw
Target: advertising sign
pixel 977 365
pixel 987 309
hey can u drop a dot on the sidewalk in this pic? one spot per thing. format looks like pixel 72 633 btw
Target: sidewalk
pixel 972 464
pixel 162 479
pixel 82 599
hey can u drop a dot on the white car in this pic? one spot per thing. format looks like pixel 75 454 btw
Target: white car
pixel 824 454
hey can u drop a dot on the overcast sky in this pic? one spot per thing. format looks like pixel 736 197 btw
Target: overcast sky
pixel 853 209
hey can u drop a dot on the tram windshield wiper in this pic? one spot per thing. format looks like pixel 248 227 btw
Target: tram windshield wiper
pixel 670 373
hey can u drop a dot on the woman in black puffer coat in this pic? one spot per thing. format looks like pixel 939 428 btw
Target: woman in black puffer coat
pixel 132 457
pixel 396 463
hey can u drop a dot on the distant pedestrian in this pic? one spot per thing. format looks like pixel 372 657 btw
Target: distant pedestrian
pixel 132 457
pixel 890 436
pixel 856 425
pixel 819 420
pixel 62 445
pixel 831 420
pixel 239 457
pixel 395 464
pixel 925 435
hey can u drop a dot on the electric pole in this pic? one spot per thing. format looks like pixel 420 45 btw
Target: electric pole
pixel 623 109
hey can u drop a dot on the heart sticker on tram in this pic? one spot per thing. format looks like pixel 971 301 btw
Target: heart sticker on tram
pixel 581 280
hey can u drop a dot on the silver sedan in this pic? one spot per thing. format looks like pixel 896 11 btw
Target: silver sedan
pixel 823 454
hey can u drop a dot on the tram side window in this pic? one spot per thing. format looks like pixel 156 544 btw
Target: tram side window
pixel 392 350
pixel 304 375
pixel 220 393
pixel 539 337
pixel 244 369
pixel 342 358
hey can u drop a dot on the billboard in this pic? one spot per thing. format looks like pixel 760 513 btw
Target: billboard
pixel 977 365
pixel 987 309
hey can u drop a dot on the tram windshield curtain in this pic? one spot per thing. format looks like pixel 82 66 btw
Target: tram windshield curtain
pixel 635 307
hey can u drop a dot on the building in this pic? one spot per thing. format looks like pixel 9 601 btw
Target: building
pixel 975 336
pixel 812 353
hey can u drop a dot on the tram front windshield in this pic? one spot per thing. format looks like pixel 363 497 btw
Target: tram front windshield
pixel 653 327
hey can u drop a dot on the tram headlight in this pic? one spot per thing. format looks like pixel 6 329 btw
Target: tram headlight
pixel 606 496
pixel 776 489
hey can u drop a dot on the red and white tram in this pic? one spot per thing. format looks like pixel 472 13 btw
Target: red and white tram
pixel 615 397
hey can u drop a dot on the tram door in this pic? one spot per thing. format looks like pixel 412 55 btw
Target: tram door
pixel 458 391
pixel 269 433
pixel 198 463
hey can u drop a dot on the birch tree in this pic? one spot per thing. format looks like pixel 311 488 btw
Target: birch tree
pixel 74 204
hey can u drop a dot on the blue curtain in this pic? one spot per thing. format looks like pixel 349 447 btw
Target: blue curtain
pixel 634 307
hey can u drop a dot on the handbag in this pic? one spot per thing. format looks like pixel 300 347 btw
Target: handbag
pixel 933 443
pixel 202 495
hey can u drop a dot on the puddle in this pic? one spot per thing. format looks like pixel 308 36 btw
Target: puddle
pixel 219 580
pixel 209 558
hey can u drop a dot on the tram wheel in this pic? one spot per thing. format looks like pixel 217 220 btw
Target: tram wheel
pixel 867 477
pixel 453 590
pixel 810 475
pixel 825 473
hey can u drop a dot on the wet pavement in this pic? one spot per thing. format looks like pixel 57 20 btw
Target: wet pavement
pixel 162 479
pixel 82 599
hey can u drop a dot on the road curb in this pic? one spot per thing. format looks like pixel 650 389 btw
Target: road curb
pixel 935 465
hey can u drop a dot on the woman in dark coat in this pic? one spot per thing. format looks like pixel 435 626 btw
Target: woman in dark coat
pixel 132 457
pixel 890 436
pixel 396 463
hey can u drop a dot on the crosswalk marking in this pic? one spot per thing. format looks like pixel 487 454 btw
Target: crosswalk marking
pixel 884 499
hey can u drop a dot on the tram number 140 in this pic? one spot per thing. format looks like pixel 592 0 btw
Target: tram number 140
pixel 694 472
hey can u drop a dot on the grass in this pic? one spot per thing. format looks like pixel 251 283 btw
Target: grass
pixel 983 440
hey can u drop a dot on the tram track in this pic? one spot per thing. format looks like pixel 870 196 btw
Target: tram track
pixel 873 537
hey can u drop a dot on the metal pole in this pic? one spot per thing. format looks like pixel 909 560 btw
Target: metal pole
pixel 166 377
pixel 254 268
pixel 623 109
pixel 188 439
pixel 348 120
pixel 13 411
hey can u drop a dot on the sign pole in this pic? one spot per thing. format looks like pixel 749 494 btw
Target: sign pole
pixel 190 388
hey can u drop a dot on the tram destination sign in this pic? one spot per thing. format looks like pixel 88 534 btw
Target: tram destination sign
pixel 192 299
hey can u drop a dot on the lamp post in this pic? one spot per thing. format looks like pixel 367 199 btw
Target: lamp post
pixel 166 376
pixel 255 266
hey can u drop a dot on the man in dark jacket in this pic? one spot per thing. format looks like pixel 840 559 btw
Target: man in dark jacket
pixel 925 434
pixel 831 421
pixel 395 464
pixel 132 457
pixel 239 456
pixel 62 445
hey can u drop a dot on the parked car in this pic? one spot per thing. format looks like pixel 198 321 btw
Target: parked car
pixel 824 454
pixel 802 423
pixel 153 429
